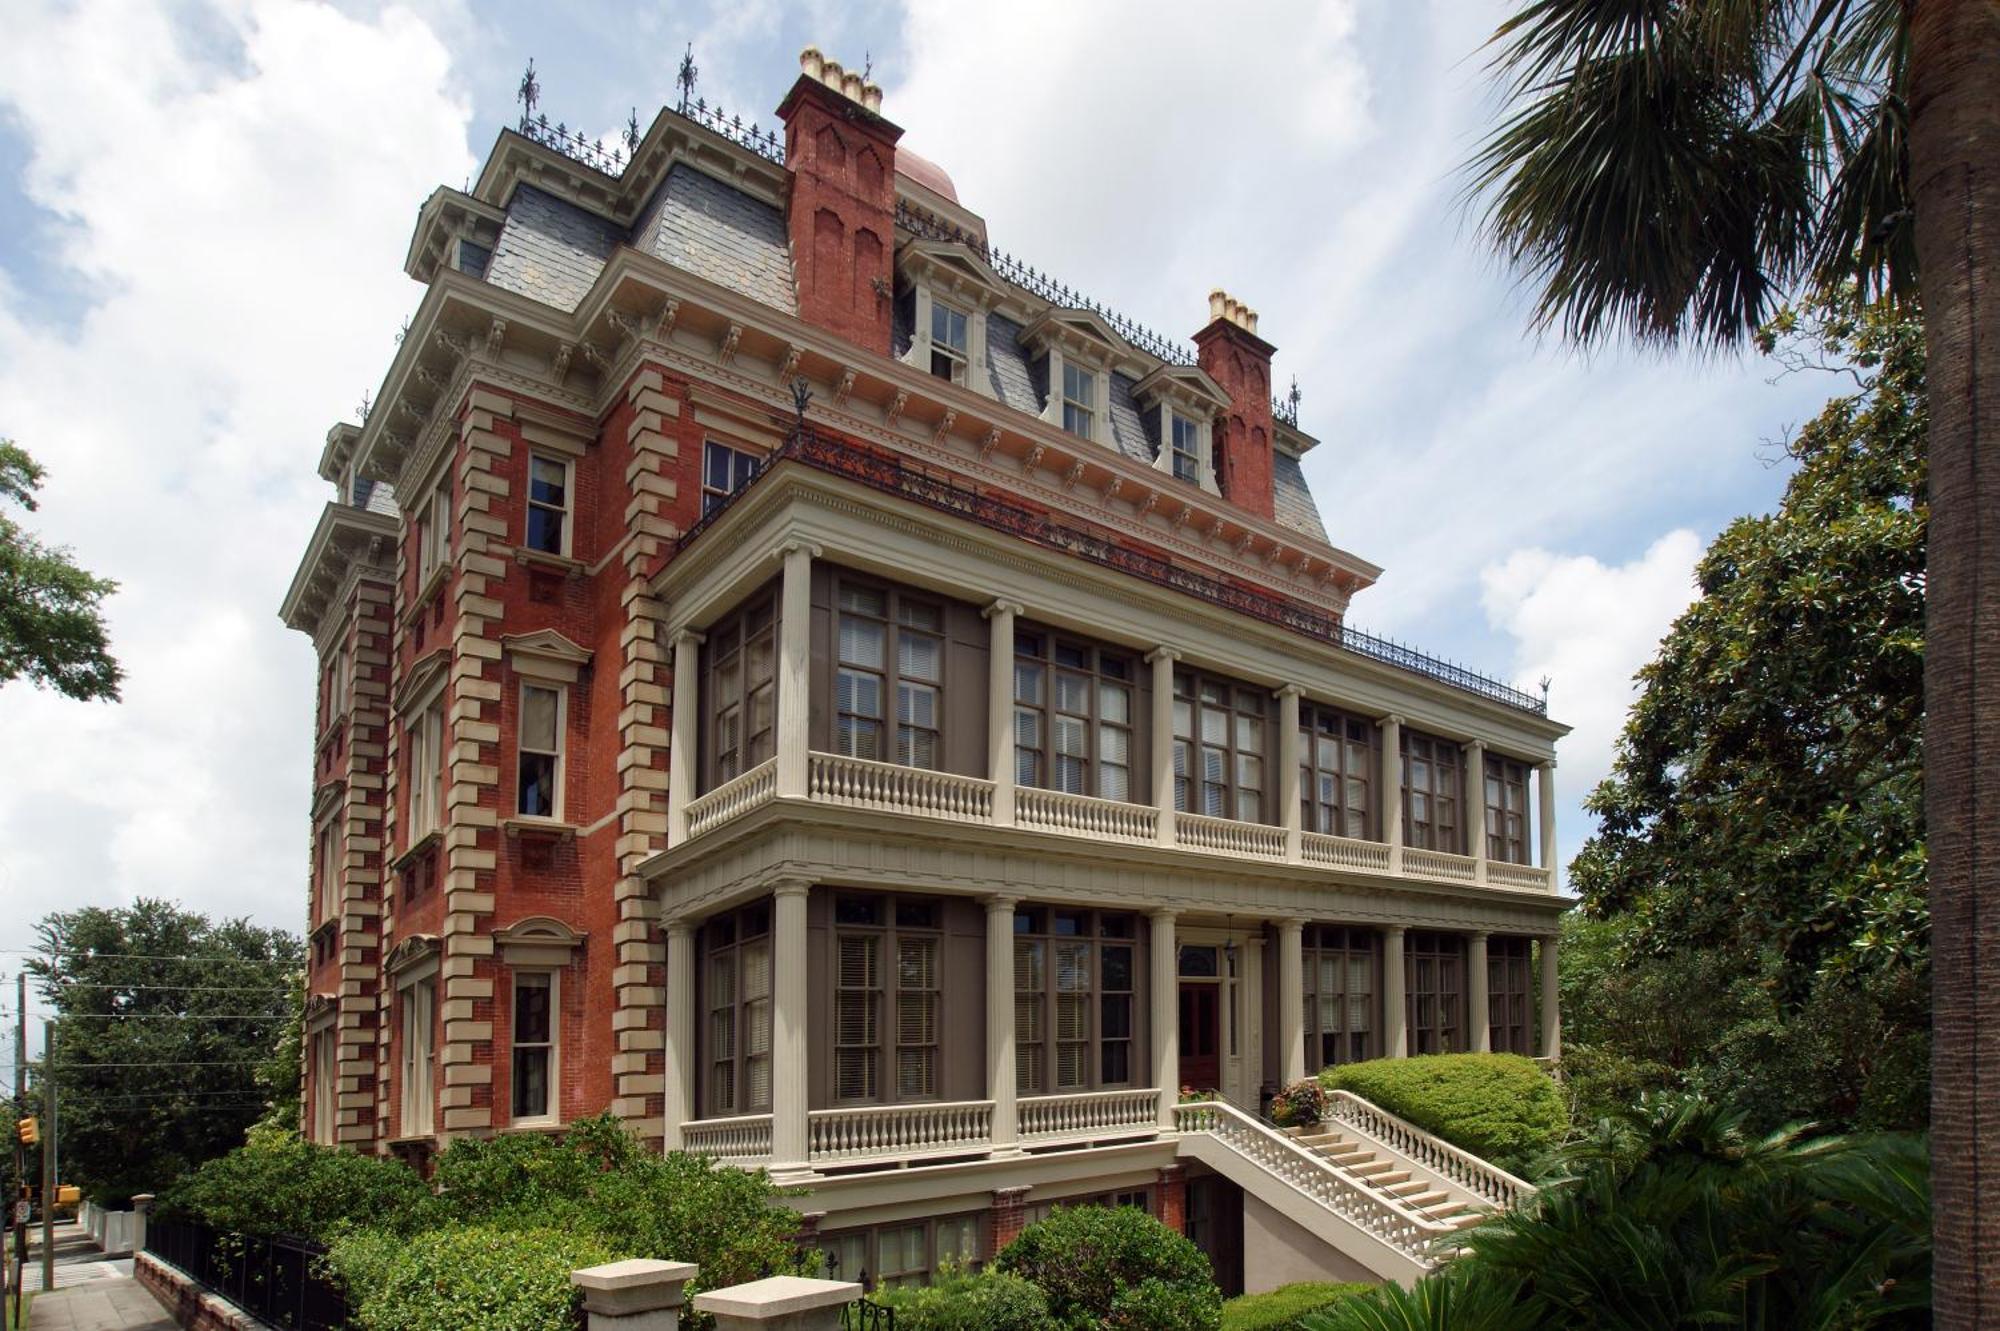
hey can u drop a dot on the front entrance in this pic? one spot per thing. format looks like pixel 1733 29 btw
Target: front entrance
pixel 1201 1035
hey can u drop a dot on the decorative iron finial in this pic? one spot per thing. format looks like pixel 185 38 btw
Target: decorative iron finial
pixel 1546 681
pixel 632 131
pixel 1293 398
pixel 801 395
pixel 529 93
pixel 867 64
pixel 367 405
pixel 687 75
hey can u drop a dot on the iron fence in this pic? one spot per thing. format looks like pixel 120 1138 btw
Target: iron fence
pixel 939 490
pixel 277 1279
pixel 867 1315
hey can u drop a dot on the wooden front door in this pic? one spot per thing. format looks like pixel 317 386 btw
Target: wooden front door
pixel 1201 1036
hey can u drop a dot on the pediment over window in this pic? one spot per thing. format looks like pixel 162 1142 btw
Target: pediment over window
pixel 413 958
pixel 423 680
pixel 951 270
pixel 1082 333
pixel 1187 387
pixel 321 1009
pixel 545 654
pixel 539 940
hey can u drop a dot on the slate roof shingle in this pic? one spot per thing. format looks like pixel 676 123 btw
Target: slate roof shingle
pixel 718 232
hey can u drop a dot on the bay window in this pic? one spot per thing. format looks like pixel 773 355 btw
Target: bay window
pixel 1431 786
pixel 1074 999
pixel 1510 1007
pixel 1073 708
pixel 1506 810
pixel 1341 995
pixel 890 645
pixel 742 689
pixel 1218 747
pixel 887 958
pixel 1336 772
pixel 736 956
pixel 1436 993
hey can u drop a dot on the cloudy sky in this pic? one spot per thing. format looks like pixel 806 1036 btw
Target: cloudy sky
pixel 204 208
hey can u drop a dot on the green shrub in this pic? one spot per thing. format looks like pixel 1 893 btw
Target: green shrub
pixel 1280 1309
pixel 465 1277
pixel 1501 1107
pixel 278 1183
pixel 964 1301
pixel 1115 1267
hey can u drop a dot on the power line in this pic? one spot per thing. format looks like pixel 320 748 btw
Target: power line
pixel 66 983
pixel 167 1016
pixel 171 1063
pixel 218 958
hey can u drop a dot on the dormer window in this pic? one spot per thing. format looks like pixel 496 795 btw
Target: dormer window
pixel 1186 444
pixel 1079 388
pixel 949 353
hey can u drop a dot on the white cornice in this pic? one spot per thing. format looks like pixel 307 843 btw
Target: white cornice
pixel 344 535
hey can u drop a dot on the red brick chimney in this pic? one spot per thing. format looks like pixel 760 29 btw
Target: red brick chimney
pixel 842 219
pixel 1240 361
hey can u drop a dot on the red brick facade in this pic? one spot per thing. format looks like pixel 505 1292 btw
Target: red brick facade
pixel 1240 362
pixel 842 214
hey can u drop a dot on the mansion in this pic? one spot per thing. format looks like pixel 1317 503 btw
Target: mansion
pixel 803 681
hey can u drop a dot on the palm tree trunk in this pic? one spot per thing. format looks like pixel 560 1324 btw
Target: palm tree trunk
pixel 1955 177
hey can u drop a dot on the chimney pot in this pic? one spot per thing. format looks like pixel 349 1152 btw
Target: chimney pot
pixel 830 74
pixel 871 96
pixel 811 62
pixel 850 86
pixel 1218 302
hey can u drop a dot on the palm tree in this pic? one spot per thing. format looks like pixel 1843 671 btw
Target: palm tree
pixel 1672 170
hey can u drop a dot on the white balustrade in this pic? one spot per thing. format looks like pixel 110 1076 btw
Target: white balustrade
pixel 733 798
pixel 1090 1114
pixel 1085 815
pixel 1481 1178
pixel 1259 840
pixel 1526 876
pixel 1439 864
pixel 952 1128
pixel 741 1139
pixel 1396 1223
pixel 863 784
pixel 1344 852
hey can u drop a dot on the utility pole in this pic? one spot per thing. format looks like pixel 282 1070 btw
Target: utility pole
pixel 49 1156
pixel 19 1203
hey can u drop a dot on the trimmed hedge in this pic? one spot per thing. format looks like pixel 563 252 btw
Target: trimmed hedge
pixel 963 1301
pixel 1280 1309
pixel 278 1183
pixel 1117 1267
pixel 1501 1107
pixel 465 1277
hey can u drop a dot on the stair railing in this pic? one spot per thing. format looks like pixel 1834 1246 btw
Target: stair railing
pixel 1481 1178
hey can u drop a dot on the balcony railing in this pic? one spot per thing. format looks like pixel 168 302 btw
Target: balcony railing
pixel 733 798
pixel 1088 1115
pixel 744 1139
pixel 903 1131
pixel 1085 815
pixel 860 783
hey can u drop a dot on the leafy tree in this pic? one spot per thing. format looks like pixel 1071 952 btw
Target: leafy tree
pixel 164 1019
pixel 1761 841
pixel 51 616
pixel 1673 171
pixel 1115 1266
pixel 1678 1216
pixel 278 1183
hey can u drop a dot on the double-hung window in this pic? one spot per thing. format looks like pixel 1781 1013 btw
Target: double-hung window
pixel 1336 771
pixel 724 471
pixel 426 771
pixel 1186 445
pixel 548 505
pixel 1074 996
pixel 1506 810
pixel 948 345
pixel 535 1043
pixel 539 738
pixel 1431 791
pixel 1340 984
pixel 434 533
pixel 743 688
pixel 890 646
pixel 329 871
pixel 886 955
pixel 1079 391
pixel 326 1088
pixel 419 1015
pixel 738 1039
pixel 1219 748
pixel 1073 706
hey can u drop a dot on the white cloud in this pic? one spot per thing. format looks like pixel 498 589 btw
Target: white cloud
pixel 237 183
pixel 1588 627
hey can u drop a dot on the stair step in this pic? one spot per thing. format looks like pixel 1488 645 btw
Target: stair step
pixel 1317 1138
pixel 1371 1168
pixel 1392 1178
pixel 1409 1189
pixel 1424 1201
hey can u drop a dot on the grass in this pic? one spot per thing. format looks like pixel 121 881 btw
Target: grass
pixel 1281 1307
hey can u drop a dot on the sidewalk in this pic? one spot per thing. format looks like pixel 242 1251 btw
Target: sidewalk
pixel 118 1303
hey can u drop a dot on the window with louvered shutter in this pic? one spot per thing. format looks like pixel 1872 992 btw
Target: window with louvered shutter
pixel 1340 999
pixel 916 1017
pixel 1075 1003
pixel 1030 987
pixel 857 1038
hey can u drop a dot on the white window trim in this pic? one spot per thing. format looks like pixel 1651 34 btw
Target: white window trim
pixel 919 354
pixel 326 1087
pixel 553 1110
pixel 434 533
pixel 529 502
pixel 1205 446
pixel 326 873
pixel 417 1115
pixel 555 813
pixel 424 724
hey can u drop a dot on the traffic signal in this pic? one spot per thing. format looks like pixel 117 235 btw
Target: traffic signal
pixel 29 1130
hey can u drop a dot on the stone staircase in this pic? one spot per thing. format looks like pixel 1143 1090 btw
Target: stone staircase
pixel 1392 1179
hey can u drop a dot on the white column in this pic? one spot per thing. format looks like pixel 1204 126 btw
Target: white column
pixel 1291 1002
pixel 1551 1000
pixel 1478 992
pixel 1000 707
pixel 1392 789
pixel 1474 820
pixel 680 1107
pixel 1166 1016
pixel 795 668
pixel 1289 812
pixel 684 742
pixel 791 1019
pixel 1545 797
pixel 1162 660
pixel 1000 1072
pixel 1395 1006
